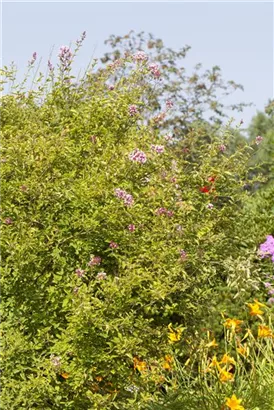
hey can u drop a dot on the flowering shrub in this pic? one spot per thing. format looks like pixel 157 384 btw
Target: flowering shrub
pixel 106 261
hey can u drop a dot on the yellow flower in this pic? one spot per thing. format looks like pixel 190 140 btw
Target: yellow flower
pixel 139 365
pixel 232 324
pixel 264 331
pixel 174 335
pixel 224 375
pixel 65 375
pixel 227 359
pixel 233 403
pixel 167 362
pixel 243 350
pixel 255 308
pixel 212 343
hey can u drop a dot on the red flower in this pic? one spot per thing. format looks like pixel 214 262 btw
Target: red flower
pixel 205 189
pixel 211 179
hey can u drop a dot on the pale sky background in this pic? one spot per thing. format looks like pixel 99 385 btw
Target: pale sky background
pixel 237 36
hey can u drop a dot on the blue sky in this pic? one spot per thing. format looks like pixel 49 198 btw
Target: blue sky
pixel 237 36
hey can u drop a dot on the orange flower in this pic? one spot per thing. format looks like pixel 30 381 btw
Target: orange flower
pixel 255 308
pixel 167 362
pixel 232 324
pixel 65 375
pixel 233 403
pixel 139 365
pixel 243 350
pixel 264 331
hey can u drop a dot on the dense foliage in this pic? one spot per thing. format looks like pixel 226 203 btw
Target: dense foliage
pixel 118 237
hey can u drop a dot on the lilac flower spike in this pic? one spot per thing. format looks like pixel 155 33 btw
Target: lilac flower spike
pixel 138 156
pixel 267 248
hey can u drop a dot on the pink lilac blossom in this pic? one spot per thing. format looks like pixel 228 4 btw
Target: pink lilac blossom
pixel 270 301
pixel 267 284
pixel 65 56
pixel 80 272
pixel 131 228
pixel 267 248
pixel 210 206
pixel 140 56
pixel 138 156
pixel 82 38
pixel 8 221
pixel 95 260
pixel 158 148
pixel 170 213
pixel 164 211
pixel 169 104
pixel 34 57
pixel 258 140
pixel 113 245
pixel 127 198
pixel 183 254
pixel 133 110
pixel 222 147
pixel 155 71
pixel 50 66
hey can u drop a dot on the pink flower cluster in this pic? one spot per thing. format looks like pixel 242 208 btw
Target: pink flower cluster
pixel 131 228
pixel 113 245
pixel 95 260
pixel 138 156
pixel 65 56
pixel 183 254
pixel 222 147
pixel 133 110
pixel 258 140
pixel 158 148
pixel 140 56
pixel 169 104
pixel 127 198
pixel 164 211
pixel 80 272
pixel 155 71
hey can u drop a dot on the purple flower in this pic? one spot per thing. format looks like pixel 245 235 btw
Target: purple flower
pixel 270 301
pixel 154 69
pixel 133 110
pixel 50 66
pixel 267 248
pixel 127 198
pixel 131 228
pixel 222 147
pixel 158 148
pixel 111 87
pixel 183 254
pixel 210 206
pixel 95 260
pixel 65 56
pixel 267 284
pixel 8 221
pixel 258 140
pixel 80 272
pixel 138 156
pixel 113 245
pixel 101 275
pixel 140 56
pixel 161 211
pixel 34 57
pixel 271 292
pixel 170 213
pixel 82 38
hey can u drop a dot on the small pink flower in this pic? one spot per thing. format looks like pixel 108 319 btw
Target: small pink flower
pixel 140 56
pixel 222 147
pixel 113 245
pixel 173 179
pixel 121 194
pixel 95 260
pixel 138 156
pixel 133 110
pixel 183 254
pixel 155 71
pixel 80 272
pixel 8 221
pixel 161 211
pixel 131 228
pixel 210 206
pixel 169 104
pixel 111 87
pixel 170 213
pixel 258 140
pixel 158 148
